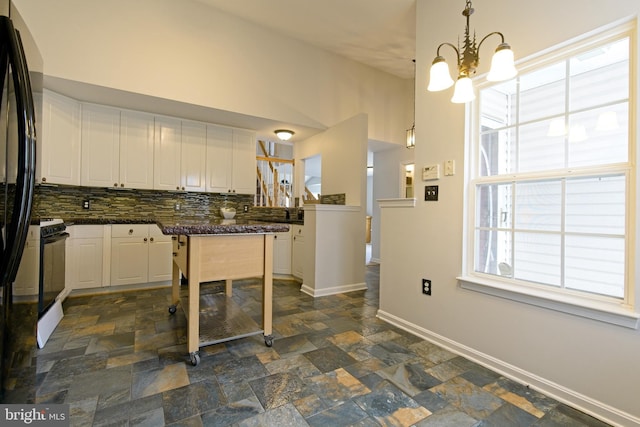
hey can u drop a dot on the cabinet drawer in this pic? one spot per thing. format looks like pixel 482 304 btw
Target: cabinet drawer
pixel 130 230
pixel 86 231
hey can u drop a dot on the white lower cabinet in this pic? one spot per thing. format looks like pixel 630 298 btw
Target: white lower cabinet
pixel 297 251
pixel 86 256
pixel 140 253
pixel 28 277
pixel 282 253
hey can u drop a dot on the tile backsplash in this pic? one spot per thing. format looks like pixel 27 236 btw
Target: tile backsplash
pixel 67 202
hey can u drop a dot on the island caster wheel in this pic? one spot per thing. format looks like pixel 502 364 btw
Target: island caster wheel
pixel 195 358
pixel 172 309
pixel 268 340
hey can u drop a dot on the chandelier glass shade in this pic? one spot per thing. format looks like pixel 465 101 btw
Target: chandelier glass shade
pixel 502 64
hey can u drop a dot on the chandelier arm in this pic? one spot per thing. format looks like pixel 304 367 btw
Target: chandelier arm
pixel 487 36
pixel 452 47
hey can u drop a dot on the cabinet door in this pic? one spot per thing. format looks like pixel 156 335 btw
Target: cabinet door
pixel 244 162
pixel 86 263
pixel 194 156
pixel 282 253
pixel 59 162
pixel 160 255
pixel 219 159
pixel 100 146
pixel 166 154
pixel 129 260
pixel 297 252
pixel 136 150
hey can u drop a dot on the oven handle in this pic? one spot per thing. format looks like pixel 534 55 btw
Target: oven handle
pixel 55 238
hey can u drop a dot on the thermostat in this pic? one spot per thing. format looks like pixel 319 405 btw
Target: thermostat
pixel 431 172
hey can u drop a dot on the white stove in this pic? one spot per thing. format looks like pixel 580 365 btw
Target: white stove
pixel 52 276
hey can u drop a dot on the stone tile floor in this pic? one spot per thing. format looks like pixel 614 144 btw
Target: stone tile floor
pixel 120 359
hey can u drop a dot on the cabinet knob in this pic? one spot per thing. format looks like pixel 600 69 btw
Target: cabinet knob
pixel 175 254
pixel 121 185
pixel 183 188
pixel 174 237
pixel 275 237
pixel 151 239
pixel 44 179
pixel 115 184
pixel 145 239
pixel 131 231
pixel 177 188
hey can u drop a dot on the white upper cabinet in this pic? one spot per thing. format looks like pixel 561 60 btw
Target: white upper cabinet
pixel 117 148
pixel 219 158
pixel 100 146
pixel 231 160
pixel 179 155
pixel 59 162
pixel 168 141
pixel 136 150
pixel 244 162
pixel 194 156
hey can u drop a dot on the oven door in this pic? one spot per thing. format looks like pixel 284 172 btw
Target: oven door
pixel 52 269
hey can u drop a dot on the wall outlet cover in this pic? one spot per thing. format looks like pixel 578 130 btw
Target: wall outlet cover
pixel 431 193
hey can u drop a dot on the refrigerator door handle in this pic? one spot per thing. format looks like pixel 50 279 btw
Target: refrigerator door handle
pixel 16 230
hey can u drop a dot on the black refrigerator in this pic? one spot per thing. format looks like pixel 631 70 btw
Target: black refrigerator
pixel 18 54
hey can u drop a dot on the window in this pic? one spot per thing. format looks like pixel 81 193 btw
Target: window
pixel 549 196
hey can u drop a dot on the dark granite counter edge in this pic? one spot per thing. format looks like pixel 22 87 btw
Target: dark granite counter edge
pixel 202 229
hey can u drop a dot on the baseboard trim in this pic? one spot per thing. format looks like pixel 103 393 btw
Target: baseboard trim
pixel 119 288
pixel 333 290
pixel 570 397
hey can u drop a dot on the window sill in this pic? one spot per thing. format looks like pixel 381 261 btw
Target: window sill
pixel 596 310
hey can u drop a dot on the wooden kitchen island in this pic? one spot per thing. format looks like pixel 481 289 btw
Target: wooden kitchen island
pixel 221 250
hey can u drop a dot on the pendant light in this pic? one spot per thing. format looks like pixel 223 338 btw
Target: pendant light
pixel 411 132
pixel 502 64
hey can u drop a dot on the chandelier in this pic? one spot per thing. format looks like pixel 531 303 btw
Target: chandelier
pixel 502 64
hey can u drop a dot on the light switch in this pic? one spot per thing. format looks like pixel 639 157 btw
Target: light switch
pixel 449 167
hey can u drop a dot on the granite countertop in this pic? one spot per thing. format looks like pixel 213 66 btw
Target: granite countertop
pixel 225 226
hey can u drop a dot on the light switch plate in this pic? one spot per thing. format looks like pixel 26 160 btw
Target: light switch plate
pixel 431 172
pixel 449 167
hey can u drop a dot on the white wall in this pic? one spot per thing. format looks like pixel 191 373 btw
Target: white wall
pixel 188 52
pixel 343 149
pixel 592 365
pixel 387 184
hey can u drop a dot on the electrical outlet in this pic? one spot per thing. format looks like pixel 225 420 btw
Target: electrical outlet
pixel 245 209
pixel 426 286
pixel 177 206
pixel 431 193
pixel 86 204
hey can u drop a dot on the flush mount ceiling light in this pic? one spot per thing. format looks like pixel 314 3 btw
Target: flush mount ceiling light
pixel 502 64
pixel 284 134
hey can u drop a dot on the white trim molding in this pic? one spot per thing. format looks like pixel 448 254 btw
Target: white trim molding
pixel 397 203
pixel 333 290
pixel 603 312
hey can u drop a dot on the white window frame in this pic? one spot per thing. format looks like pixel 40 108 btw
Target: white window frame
pixel 610 310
